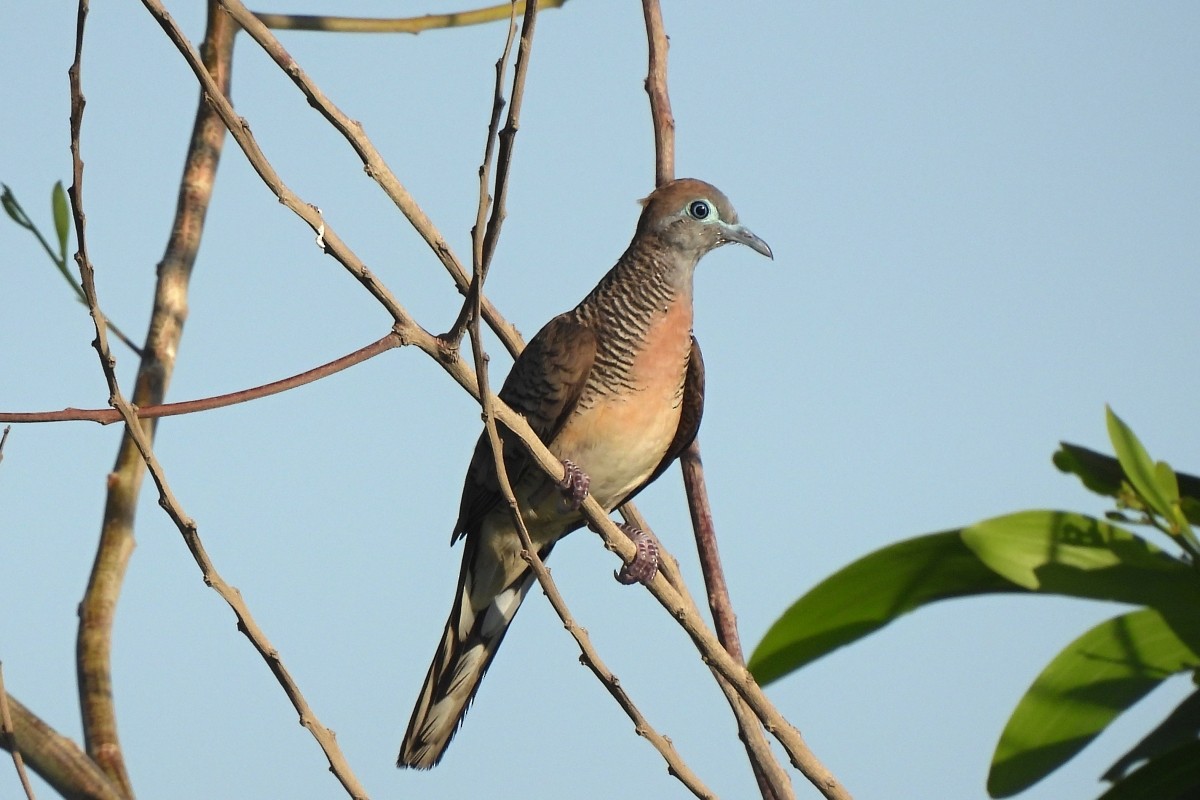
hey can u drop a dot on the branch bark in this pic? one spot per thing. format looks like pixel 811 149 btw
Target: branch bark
pixel 373 164
pixel 57 759
pixel 413 25
pixel 97 611
pixel 773 781
pixel 107 416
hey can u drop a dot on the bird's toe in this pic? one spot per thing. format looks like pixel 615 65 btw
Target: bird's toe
pixel 574 486
pixel 644 565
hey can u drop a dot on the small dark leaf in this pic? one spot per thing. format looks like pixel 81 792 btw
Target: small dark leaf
pixel 1182 726
pixel 1171 776
pixel 13 208
pixel 1102 474
pixel 1099 473
pixel 1189 504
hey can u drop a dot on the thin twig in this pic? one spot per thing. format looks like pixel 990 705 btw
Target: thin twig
pixel 107 416
pixel 239 129
pixel 373 164
pixel 724 619
pixel 8 733
pixel 773 781
pixel 656 88
pixel 508 135
pixel 414 25
pixel 4 440
pixel 481 241
pixel 141 440
pixel 482 260
pixel 324 737
pixel 471 307
pixel 18 215
pixel 96 612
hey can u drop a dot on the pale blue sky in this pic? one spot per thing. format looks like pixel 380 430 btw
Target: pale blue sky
pixel 985 225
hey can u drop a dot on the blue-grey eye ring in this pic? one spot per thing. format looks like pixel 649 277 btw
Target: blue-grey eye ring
pixel 698 209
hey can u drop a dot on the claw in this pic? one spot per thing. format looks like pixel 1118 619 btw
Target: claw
pixel 574 487
pixel 644 565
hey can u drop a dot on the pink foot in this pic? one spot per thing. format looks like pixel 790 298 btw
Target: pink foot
pixel 574 486
pixel 644 565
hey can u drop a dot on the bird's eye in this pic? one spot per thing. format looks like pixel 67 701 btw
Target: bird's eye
pixel 699 209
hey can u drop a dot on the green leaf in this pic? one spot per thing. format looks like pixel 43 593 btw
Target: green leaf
pixel 869 594
pixel 1102 474
pixel 1164 476
pixel 1139 468
pixel 1190 506
pixel 1182 726
pixel 1099 473
pixel 62 218
pixel 1056 552
pixel 1085 687
pixel 1169 484
pixel 1172 776
pixel 11 207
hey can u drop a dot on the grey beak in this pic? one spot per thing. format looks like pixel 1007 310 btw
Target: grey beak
pixel 742 235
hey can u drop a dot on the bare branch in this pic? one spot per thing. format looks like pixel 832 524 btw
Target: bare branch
pixel 373 164
pixel 471 307
pixel 8 735
pixel 96 612
pixel 773 782
pixel 509 133
pixel 660 101
pixel 55 758
pixel 414 25
pixel 107 416
pixel 483 245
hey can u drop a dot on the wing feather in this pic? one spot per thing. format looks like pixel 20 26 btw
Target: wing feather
pixel 544 386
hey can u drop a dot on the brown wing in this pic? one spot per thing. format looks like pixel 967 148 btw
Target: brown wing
pixel 689 416
pixel 543 386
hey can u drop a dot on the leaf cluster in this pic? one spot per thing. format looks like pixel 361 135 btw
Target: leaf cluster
pixel 1103 672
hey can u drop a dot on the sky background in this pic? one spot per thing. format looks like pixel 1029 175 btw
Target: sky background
pixel 986 226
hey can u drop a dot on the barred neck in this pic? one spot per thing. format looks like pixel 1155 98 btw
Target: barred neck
pixel 645 281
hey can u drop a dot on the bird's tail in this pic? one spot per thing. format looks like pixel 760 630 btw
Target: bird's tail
pixel 468 645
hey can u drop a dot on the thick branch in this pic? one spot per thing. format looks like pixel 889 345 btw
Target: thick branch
pixel 8 738
pixel 57 759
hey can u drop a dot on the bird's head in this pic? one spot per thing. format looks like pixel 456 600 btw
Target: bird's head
pixel 694 217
